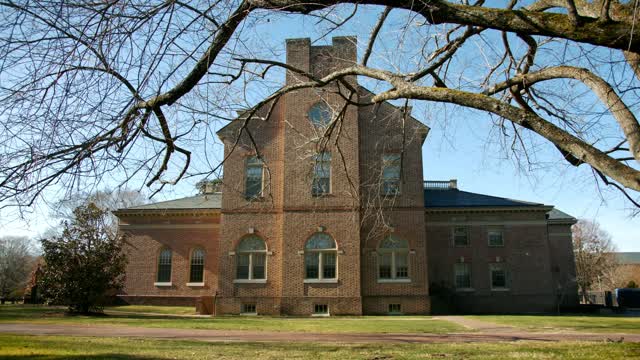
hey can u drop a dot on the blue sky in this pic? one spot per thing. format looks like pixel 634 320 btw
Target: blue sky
pixel 462 144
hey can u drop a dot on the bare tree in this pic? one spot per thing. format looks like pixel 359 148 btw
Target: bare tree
pixel 134 88
pixel 593 249
pixel 105 200
pixel 16 261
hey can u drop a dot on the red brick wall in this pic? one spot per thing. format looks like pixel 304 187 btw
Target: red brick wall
pixel 526 254
pixel 181 233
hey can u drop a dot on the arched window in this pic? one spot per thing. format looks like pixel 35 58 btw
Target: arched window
pixel 196 273
pixel 393 259
pixel 251 259
pixel 320 257
pixel 320 114
pixel 164 266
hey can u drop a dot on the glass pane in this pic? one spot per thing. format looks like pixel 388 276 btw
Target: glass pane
pixel 495 238
pixel 498 278
pixel 321 186
pixel 391 187
pixel 311 262
pixel 164 266
pixel 254 188
pixel 393 242
pixel 320 114
pixel 164 273
pixel 252 243
pixel 242 266
pixel 197 257
pixel 258 266
pixel 402 265
pixel 460 236
pixel 165 257
pixel 384 266
pixel 329 265
pixel 320 241
pixel 197 273
pixel 462 276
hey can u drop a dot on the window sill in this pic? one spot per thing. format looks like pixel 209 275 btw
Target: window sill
pixel 249 314
pixel 162 284
pixel 320 281
pixel 496 246
pixel 391 281
pixel 250 281
pixel 465 289
pixel 500 289
pixel 320 315
pixel 195 284
pixel 322 195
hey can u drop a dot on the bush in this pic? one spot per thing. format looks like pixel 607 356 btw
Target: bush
pixel 85 264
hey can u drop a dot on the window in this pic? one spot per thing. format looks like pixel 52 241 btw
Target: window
pixel 461 236
pixel 251 259
pixel 196 274
pixel 253 178
pixel 391 174
pixel 321 309
pixel 164 266
pixel 321 174
pixel 462 275
pixel 393 259
pixel 498 275
pixel 248 309
pixel 495 238
pixel 320 257
pixel 395 309
pixel 320 114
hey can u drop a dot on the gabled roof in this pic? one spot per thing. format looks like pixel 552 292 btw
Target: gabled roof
pixel 201 201
pixel 233 126
pixel 454 198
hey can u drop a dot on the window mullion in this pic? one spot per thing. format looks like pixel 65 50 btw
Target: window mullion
pixel 320 266
pixel 393 265
pixel 250 266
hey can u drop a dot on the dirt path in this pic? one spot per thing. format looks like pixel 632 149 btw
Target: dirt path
pixel 483 326
pixel 271 336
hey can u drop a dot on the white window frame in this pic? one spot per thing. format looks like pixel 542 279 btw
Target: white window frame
pixel 499 266
pixel 251 254
pixel 322 159
pixel 247 165
pixel 164 283
pixel 204 260
pixel 455 276
pixel 248 313
pixel 327 313
pixel 321 262
pixel 388 162
pixel 453 235
pixel 495 231
pixel 394 276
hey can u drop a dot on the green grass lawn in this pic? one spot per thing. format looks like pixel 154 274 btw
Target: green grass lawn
pixel 364 324
pixel 586 323
pixel 58 347
pixel 168 310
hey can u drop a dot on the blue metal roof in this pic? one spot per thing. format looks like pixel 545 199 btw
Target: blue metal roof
pixel 453 198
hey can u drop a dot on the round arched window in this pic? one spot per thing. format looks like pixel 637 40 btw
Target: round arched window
pixel 320 114
pixel 320 257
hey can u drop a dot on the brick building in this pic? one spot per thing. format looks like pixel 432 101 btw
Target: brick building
pixel 323 210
